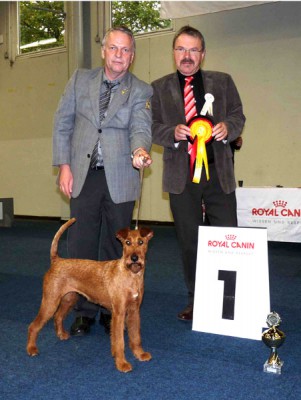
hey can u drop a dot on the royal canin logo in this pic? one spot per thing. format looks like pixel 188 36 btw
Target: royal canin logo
pixel 280 203
pixel 279 210
pixel 231 243
pixel 230 237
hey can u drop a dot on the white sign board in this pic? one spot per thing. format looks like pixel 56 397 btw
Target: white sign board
pixel 232 295
pixel 277 209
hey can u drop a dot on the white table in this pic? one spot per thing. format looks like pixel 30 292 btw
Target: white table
pixel 277 209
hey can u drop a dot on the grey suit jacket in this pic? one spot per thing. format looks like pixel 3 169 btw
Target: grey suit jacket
pixel 126 127
pixel 168 112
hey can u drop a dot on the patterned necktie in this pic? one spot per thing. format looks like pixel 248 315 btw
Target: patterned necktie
pixel 104 100
pixel 189 100
pixel 190 111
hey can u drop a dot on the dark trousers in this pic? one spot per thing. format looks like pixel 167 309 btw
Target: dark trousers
pixel 187 212
pixel 93 235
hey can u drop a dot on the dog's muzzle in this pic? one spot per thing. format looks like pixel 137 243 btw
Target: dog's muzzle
pixel 135 267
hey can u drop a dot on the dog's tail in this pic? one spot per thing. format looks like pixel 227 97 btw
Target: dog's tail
pixel 54 244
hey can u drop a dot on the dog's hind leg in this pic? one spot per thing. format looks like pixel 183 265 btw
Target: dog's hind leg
pixel 47 310
pixel 66 304
pixel 133 325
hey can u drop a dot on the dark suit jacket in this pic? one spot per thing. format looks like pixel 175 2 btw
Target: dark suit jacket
pixel 168 112
pixel 126 127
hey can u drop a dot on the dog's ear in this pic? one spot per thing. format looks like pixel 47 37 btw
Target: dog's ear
pixel 122 234
pixel 146 232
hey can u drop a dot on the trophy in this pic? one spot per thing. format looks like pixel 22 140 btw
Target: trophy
pixel 273 338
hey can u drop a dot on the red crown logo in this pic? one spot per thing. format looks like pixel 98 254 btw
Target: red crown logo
pixel 280 203
pixel 230 237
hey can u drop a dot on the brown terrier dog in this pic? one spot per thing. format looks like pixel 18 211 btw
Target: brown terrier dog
pixel 117 285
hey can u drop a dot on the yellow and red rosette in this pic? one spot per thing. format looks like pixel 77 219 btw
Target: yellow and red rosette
pixel 201 132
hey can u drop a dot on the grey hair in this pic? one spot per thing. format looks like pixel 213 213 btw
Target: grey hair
pixel 122 29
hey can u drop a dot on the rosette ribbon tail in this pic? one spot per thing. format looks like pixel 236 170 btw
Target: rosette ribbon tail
pixel 201 131
pixel 192 151
pixel 201 158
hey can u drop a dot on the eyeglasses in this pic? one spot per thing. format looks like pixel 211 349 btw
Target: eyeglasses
pixel 114 49
pixel 182 50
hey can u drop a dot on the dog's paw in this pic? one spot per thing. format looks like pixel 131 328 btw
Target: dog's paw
pixel 32 351
pixel 124 366
pixel 145 356
pixel 64 335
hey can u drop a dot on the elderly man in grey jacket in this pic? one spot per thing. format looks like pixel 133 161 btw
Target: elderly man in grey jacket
pixel 101 138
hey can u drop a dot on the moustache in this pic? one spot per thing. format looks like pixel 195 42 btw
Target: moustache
pixel 187 60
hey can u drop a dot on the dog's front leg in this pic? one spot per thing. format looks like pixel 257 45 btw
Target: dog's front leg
pixel 133 325
pixel 117 339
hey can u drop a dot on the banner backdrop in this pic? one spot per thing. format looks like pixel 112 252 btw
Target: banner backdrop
pixel 232 295
pixel 277 209
pixel 181 9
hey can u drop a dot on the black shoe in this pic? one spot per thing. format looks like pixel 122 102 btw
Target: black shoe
pixel 105 320
pixel 186 314
pixel 81 326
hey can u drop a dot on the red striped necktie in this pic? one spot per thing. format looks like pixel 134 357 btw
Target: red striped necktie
pixel 189 100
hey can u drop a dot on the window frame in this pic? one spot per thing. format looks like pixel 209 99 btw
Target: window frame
pixel 35 53
pixel 143 34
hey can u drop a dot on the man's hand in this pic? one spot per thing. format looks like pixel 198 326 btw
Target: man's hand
pixel 141 158
pixel 181 132
pixel 66 180
pixel 220 131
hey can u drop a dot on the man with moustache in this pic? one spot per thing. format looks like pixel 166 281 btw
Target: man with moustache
pixel 101 138
pixel 170 130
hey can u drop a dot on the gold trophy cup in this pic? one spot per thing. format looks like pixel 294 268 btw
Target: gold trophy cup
pixel 273 338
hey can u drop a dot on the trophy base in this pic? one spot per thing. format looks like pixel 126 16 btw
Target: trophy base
pixel 272 368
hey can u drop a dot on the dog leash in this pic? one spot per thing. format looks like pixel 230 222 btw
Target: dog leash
pixel 141 171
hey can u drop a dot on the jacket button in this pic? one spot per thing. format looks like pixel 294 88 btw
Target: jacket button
pixel 99 130
pixel 88 155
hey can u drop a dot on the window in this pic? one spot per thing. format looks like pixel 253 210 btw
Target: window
pixel 140 16
pixel 41 25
